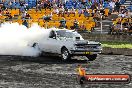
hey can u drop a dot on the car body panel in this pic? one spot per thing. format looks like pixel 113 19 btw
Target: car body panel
pixel 71 40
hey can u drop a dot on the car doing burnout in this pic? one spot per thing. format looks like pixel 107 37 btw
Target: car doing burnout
pixel 68 43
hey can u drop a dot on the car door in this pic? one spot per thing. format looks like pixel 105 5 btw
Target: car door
pixel 53 43
pixel 46 43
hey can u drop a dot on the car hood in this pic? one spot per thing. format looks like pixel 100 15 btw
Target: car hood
pixel 81 41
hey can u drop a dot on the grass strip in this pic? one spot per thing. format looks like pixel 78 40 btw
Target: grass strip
pixel 117 44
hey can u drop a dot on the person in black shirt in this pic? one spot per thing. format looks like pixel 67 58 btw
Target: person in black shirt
pixel 130 24
pixel 125 24
pixel 117 6
pixel 21 4
pixel 76 24
pixel 63 23
pixel 27 16
pixel 130 28
pixel 25 23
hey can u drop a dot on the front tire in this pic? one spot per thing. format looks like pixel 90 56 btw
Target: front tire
pixel 65 55
pixel 91 57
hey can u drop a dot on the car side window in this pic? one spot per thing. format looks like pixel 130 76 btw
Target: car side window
pixel 52 34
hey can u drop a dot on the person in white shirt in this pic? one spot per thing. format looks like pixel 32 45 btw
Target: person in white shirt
pixel 61 11
pixel 112 4
pixel 24 14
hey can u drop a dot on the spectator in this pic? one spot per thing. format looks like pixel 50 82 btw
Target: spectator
pixel 10 4
pixel 67 11
pixel 21 4
pixel 125 25
pixel 123 9
pixel 45 4
pixel 26 6
pixel 111 5
pixel 117 6
pixel 74 3
pixel 9 17
pixel 49 5
pixel 61 11
pixel 27 16
pixel 0 11
pixel 82 27
pixel 47 17
pixel 7 12
pixel 130 27
pixel 56 11
pixel 63 23
pixel 72 11
pixel 60 4
pixel 118 25
pixel 24 14
pixel 76 24
pixel 128 14
pixel 83 2
pixel 80 11
pixel 94 5
pixel 86 12
pixel 39 5
pixel 3 7
pixel 89 3
pixel 97 15
pixel 54 5
pixel 121 14
pixel 25 23
pixel 101 9
pixel 22 9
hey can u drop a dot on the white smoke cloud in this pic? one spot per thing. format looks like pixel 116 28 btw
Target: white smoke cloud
pixel 16 39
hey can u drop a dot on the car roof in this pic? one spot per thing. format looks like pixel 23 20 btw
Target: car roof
pixel 56 29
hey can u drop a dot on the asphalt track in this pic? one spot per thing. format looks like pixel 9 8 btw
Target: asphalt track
pixel 51 72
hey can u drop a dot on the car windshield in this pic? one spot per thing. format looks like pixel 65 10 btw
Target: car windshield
pixel 64 33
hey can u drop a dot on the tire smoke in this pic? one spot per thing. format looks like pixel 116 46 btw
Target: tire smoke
pixel 17 40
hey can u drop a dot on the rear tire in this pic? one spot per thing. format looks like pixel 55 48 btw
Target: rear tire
pixel 65 55
pixel 91 57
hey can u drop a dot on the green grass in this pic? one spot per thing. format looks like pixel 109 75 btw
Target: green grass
pixel 117 44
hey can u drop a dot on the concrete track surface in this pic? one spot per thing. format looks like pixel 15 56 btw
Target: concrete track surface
pixel 51 72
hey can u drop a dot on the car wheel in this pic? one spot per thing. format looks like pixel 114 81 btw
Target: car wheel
pixel 65 54
pixel 91 57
